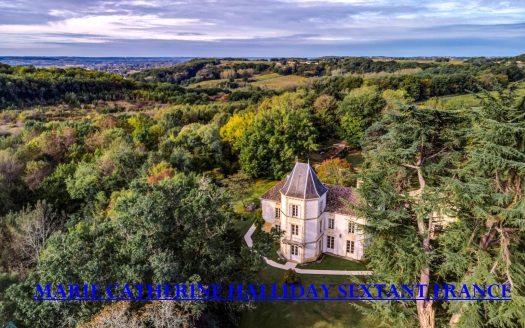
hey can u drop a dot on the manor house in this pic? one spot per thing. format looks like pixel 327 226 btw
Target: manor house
pixel 315 218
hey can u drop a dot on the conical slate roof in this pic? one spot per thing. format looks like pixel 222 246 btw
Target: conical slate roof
pixel 303 183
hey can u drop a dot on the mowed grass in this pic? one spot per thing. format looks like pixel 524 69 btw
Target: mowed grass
pixel 315 314
pixel 257 189
pixel 274 256
pixel 241 226
pixel 329 262
pixel 246 219
pixel 280 83
pixel 355 158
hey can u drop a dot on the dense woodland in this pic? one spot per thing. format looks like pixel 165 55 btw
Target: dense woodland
pixel 105 178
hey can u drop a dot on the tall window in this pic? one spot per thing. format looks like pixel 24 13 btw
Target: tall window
pixel 295 250
pixel 295 229
pixel 351 227
pixel 277 212
pixel 331 223
pixel 350 246
pixel 330 242
pixel 295 210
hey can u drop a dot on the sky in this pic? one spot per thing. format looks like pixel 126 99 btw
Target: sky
pixel 261 28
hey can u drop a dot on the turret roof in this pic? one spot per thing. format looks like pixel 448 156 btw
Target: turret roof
pixel 303 183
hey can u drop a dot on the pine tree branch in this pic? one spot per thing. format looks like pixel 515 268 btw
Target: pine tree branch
pixel 436 154
pixel 506 254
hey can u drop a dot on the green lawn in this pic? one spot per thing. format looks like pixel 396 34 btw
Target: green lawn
pixel 330 262
pixel 355 158
pixel 259 187
pixel 273 255
pixel 242 225
pixel 315 314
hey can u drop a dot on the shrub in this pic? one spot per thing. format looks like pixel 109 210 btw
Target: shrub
pixel 291 277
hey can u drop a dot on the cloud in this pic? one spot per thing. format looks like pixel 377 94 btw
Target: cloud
pixel 106 26
pixel 257 26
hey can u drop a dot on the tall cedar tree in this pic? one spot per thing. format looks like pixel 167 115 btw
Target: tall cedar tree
pixel 487 244
pixel 407 156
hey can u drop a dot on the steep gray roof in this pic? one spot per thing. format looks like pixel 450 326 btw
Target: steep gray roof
pixel 303 183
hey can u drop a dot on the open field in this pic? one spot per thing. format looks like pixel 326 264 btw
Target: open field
pixel 12 128
pixel 262 77
pixel 207 84
pixel 281 82
pixel 466 100
pixel 426 61
pixel 268 81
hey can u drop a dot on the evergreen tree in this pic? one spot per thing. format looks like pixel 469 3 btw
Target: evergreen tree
pixel 487 191
pixel 407 155
pixel 421 164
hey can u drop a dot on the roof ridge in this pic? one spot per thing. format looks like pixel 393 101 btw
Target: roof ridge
pixel 291 178
pixel 307 178
pixel 312 173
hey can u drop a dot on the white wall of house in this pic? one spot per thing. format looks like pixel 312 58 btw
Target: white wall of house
pixel 313 229
pixel 268 210
pixel 310 253
pixel 341 235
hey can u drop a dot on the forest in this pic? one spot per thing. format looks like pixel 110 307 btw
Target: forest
pixel 137 179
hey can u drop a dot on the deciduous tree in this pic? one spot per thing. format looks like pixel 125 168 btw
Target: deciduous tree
pixel 358 110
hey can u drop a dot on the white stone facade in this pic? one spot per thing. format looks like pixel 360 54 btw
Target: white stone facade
pixel 310 228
